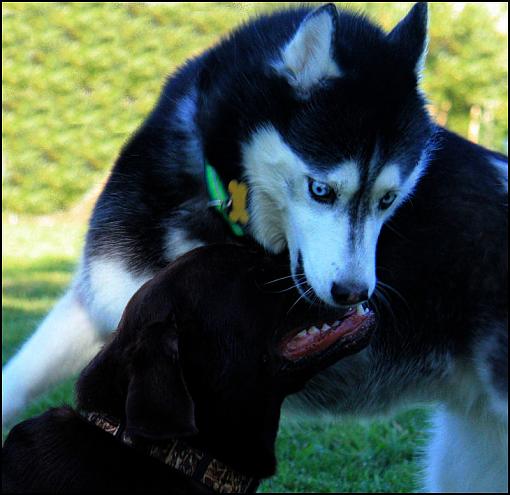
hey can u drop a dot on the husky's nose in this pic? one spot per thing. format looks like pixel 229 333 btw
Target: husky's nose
pixel 348 295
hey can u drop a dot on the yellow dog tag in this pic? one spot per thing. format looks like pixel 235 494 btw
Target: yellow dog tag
pixel 238 192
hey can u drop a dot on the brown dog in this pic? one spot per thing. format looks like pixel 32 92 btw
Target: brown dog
pixel 207 350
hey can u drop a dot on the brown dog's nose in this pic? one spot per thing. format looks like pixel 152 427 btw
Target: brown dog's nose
pixel 348 295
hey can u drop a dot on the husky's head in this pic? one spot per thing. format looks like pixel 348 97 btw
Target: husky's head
pixel 331 135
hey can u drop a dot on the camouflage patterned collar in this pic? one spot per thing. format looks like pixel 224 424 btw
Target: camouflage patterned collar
pixel 193 463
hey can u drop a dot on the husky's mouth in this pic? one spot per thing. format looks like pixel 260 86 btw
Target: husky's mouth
pixel 344 333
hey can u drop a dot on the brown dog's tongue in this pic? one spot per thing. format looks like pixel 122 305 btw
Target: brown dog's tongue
pixel 307 343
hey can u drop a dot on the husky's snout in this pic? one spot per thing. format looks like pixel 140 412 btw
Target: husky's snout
pixel 339 292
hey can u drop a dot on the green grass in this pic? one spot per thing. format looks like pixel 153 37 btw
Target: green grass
pixel 79 78
pixel 39 256
pixel 38 261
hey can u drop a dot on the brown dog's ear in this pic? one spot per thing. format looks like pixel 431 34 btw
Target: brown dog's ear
pixel 158 404
pixel 139 372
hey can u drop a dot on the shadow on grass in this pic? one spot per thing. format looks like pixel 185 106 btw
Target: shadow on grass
pixel 30 288
pixel 17 326
pixel 23 266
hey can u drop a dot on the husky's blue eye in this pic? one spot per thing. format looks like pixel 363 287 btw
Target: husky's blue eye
pixel 387 200
pixel 320 191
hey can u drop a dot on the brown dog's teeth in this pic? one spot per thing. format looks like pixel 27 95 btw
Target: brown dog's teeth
pixel 315 340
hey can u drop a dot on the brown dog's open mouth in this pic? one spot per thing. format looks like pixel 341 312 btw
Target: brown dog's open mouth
pixel 351 329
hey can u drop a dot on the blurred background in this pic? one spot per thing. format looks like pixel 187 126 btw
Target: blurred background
pixel 79 78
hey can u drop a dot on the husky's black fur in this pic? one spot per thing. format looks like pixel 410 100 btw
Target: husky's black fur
pixel 158 182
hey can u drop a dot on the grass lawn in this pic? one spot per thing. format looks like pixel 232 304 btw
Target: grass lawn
pixel 39 255
pixel 79 77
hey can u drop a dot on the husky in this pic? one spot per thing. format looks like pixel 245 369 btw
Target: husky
pixel 310 125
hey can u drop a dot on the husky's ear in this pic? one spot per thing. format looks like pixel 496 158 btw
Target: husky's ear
pixel 158 404
pixel 308 57
pixel 411 36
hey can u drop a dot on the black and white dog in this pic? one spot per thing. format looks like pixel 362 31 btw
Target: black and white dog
pixel 318 116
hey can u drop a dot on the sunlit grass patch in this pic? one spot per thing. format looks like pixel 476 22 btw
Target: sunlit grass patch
pixel 79 78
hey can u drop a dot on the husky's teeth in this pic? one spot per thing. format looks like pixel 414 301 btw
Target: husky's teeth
pixel 359 309
pixel 335 323
pixel 325 327
pixel 313 330
pixel 301 334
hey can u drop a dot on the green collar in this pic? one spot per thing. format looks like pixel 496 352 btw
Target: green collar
pixel 232 207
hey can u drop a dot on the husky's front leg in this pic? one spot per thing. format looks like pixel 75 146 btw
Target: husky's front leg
pixel 467 453
pixel 71 334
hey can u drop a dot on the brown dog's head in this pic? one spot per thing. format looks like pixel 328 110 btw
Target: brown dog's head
pixel 213 345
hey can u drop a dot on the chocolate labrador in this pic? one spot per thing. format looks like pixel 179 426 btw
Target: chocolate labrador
pixel 187 395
